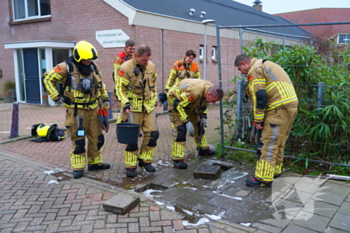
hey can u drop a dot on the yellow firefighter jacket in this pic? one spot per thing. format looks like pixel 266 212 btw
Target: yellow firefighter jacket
pixel 136 86
pixel 73 91
pixel 269 87
pixel 189 93
pixel 180 71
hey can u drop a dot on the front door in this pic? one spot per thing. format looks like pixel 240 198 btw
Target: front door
pixel 32 77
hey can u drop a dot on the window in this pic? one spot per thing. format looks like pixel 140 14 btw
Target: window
pixel 29 9
pixel 214 53
pixel 201 52
pixel 344 39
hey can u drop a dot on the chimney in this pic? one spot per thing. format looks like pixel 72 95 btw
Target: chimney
pixel 257 5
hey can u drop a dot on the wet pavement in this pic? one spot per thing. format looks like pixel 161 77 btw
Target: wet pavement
pixel 38 193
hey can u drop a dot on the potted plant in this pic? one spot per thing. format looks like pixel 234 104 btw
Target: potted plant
pixel 9 88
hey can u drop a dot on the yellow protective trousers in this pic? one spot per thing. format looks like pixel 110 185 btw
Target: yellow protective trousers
pixel 148 125
pixel 277 126
pixel 179 137
pixel 95 138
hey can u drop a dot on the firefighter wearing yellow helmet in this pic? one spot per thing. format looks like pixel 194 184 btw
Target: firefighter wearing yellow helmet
pixel 83 91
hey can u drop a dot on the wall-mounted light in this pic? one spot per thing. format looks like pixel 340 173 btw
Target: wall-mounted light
pixel 203 13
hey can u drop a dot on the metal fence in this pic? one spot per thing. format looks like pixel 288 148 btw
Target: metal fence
pixel 319 92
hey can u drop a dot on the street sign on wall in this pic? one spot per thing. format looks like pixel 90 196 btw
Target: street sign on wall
pixel 112 38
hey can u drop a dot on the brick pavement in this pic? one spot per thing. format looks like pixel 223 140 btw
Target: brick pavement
pixel 33 201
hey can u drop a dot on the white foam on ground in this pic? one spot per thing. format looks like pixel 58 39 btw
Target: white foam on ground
pixel 49 172
pixel 245 224
pixel 53 182
pixel 149 191
pixel 170 207
pixel 200 222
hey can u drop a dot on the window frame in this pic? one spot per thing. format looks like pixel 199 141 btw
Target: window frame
pixel 346 36
pixel 27 10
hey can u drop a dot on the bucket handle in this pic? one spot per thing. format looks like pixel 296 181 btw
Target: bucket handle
pixel 131 117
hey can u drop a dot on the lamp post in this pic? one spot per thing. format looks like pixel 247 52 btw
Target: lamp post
pixel 205 22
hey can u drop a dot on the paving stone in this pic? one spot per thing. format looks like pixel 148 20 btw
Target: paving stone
pixel 344 208
pixel 235 191
pixel 339 187
pixel 340 221
pixel 204 171
pixel 267 228
pixel 222 201
pixel 203 192
pixel 311 221
pixel 121 203
pixel 321 208
pixel 190 200
pixel 209 209
pixel 333 230
pixel 294 228
pixel 281 223
pixel 332 198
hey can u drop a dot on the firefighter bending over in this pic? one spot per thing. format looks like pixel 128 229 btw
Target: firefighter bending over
pixel 188 102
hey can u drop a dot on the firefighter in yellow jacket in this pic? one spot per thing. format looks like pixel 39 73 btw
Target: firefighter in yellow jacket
pixel 185 68
pixel 137 92
pixel 275 106
pixel 82 85
pixel 123 56
pixel 188 102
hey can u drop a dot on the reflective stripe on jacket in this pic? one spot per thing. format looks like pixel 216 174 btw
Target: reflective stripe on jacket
pixel 269 87
pixel 180 71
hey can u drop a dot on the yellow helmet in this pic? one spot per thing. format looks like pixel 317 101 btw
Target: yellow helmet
pixel 43 130
pixel 84 50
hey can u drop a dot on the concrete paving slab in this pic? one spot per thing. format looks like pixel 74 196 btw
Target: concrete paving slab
pixel 121 203
pixel 295 228
pixel 340 221
pixel 333 230
pixel 311 221
pixel 321 208
pixel 204 171
pixel 344 208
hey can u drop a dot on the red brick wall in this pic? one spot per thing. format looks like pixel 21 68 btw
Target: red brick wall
pixel 70 22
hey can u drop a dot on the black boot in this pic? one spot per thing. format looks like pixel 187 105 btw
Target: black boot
pixel 147 166
pixel 254 182
pixel 95 167
pixel 206 152
pixel 131 172
pixel 180 164
pixel 77 174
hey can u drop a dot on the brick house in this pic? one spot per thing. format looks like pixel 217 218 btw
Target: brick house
pixel 37 34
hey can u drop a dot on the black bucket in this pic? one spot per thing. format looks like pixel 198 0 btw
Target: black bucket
pixel 128 133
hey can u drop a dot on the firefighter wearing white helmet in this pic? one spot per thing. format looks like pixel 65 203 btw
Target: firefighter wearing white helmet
pixel 83 91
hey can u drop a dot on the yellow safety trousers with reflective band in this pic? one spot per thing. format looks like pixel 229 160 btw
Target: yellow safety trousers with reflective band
pixel 278 169
pixel 264 171
pixel 77 161
pixel 147 156
pixel 130 159
pixel 96 160
pixel 177 151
